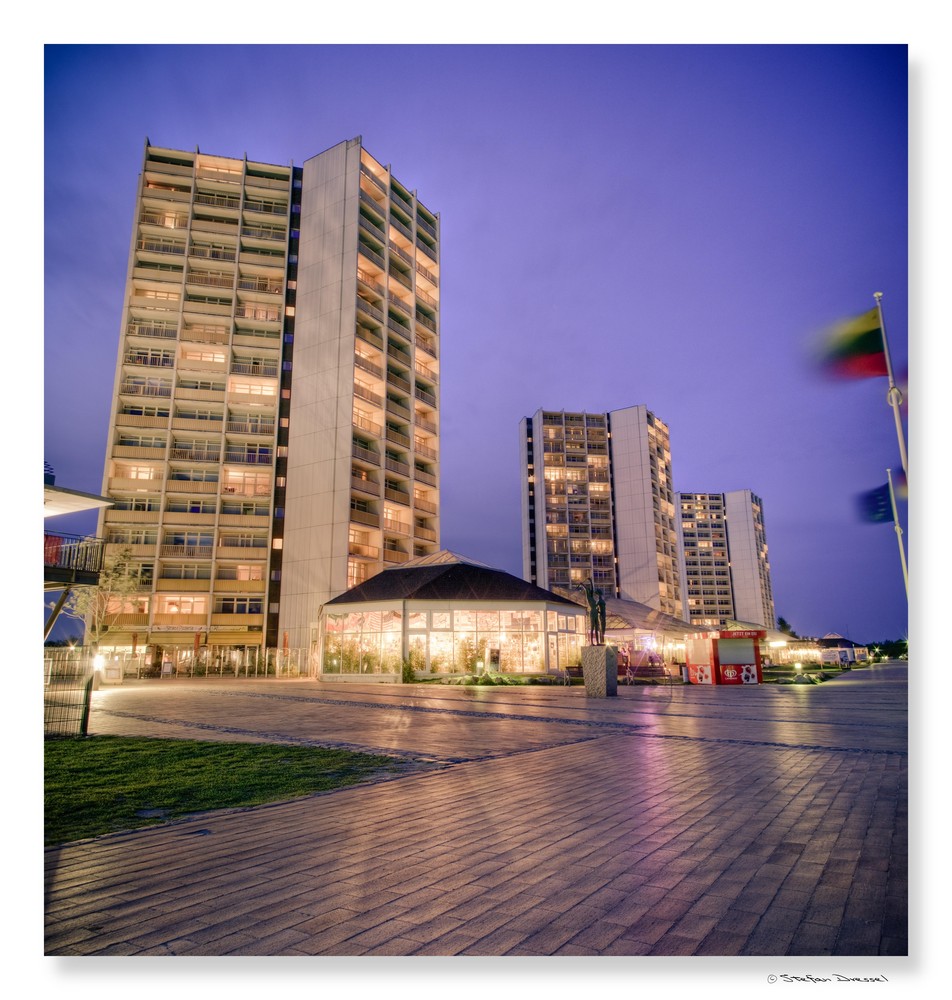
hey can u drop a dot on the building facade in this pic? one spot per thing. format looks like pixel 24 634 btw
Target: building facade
pixel 598 502
pixel 726 569
pixel 274 434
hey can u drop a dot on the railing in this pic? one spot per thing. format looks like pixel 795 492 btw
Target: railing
pixel 160 246
pixel 397 527
pixel 166 221
pixel 429 253
pixel 426 397
pixel 239 427
pixel 253 368
pixel 148 330
pixel 396 466
pixel 401 277
pixel 398 496
pixel 369 308
pixel 187 551
pixel 271 207
pixel 218 200
pixel 425 425
pixel 364 517
pixel 373 177
pixel 366 394
pixel 194 455
pixel 248 458
pixel 426 227
pixel 263 232
pixel 134 389
pixel 371 254
pixel 424 505
pixel 395 556
pixel 365 455
pixel 425 320
pixel 398 380
pixel 365 486
pixel 212 253
pixel 371 226
pixel 260 285
pixel 427 273
pixel 364 551
pixel 424 476
pixel 149 360
pixel 401 202
pixel 72 552
pixel 367 366
pixel 400 227
pixel 426 346
pixel 397 437
pixel 212 280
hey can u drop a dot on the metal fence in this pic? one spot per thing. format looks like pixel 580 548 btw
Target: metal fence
pixel 67 690
pixel 113 666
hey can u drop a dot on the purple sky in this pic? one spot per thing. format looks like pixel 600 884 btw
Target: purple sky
pixel 667 225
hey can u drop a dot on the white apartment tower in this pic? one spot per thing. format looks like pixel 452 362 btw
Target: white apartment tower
pixel 598 502
pixel 274 435
pixel 726 570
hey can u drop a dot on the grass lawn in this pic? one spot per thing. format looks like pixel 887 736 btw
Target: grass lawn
pixel 103 784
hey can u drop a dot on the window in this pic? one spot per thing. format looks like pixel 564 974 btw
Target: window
pixel 238 605
pixel 137 503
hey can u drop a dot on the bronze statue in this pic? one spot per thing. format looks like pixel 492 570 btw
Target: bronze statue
pixel 596 612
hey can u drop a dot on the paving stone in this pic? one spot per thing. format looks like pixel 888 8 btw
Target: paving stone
pixel 779 831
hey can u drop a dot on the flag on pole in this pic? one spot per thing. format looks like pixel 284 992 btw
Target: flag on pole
pixel 854 348
pixel 875 506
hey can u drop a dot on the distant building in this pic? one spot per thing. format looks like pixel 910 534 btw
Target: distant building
pixel 725 567
pixel 598 502
pixel 274 430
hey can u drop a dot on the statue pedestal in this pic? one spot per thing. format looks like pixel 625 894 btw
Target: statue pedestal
pixel 600 670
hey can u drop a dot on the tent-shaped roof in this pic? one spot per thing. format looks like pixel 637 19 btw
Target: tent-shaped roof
pixel 446 576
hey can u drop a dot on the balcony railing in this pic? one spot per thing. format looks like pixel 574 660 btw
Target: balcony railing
pixel 72 552
pixel 151 330
pixel 243 427
pixel 249 458
pixel 365 455
pixel 135 389
pixel 260 285
pixel 426 227
pixel 160 246
pixel 253 368
pixel 426 397
pixel 195 454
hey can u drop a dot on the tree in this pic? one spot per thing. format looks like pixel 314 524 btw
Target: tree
pixel 100 607
pixel 784 626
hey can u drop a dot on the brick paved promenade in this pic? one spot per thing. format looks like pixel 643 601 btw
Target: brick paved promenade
pixel 674 821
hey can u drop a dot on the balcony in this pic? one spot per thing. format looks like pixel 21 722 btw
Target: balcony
pixel 186 551
pixel 426 227
pixel 365 455
pixel 395 556
pixel 424 451
pixel 362 551
pixel 71 559
pixel 424 505
pixel 249 457
pixel 394 465
pixel 397 380
pixel 267 285
pixel 396 527
pixel 365 486
pixel 154 245
pixel 212 455
pixel 368 366
pixel 426 345
pixel 254 368
pixel 371 397
pixel 369 308
pixel 397 437
pixel 397 496
pixel 423 476
pixel 245 427
pixel 155 330
pixel 426 321
pixel 427 534
pixel 365 517
pixel 367 425
pixel 424 396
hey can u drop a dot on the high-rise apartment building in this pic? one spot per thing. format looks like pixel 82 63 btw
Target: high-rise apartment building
pixel 598 502
pixel 726 571
pixel 274 435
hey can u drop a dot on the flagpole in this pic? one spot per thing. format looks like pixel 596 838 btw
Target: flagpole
pixel 902 551
pixel 893 395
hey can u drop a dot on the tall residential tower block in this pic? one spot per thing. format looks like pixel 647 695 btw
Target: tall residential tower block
pixel 726 571
pixel 274 434
pixel 598 502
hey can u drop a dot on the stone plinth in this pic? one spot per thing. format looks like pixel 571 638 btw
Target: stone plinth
pixel 600 670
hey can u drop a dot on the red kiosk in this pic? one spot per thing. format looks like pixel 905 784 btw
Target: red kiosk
pixel 728 657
